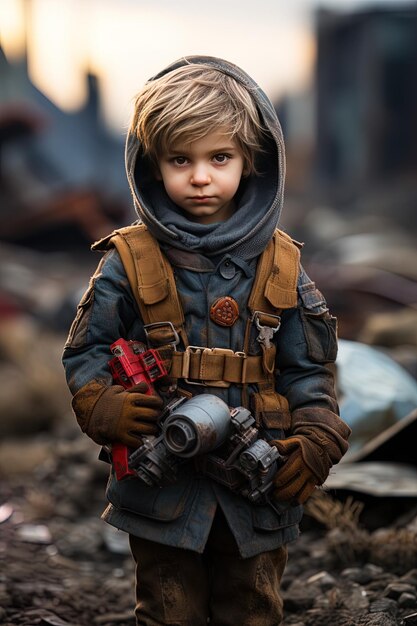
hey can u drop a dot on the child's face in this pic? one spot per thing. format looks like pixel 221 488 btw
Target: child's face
pixel 202 177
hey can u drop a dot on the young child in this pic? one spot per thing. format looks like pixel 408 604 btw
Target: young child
pixel 205 278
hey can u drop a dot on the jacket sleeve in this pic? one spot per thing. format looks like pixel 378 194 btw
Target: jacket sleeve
pixel 106 312
pixel 307 350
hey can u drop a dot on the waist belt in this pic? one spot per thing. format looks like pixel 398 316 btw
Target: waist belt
pixel 216 367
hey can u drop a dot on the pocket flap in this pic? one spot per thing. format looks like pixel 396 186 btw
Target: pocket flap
pixel 276 516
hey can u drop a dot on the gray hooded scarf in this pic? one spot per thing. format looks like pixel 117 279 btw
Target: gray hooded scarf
pixel 259 197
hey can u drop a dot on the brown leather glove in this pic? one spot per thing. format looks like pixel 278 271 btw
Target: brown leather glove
pixel 114 414
pixel 319 441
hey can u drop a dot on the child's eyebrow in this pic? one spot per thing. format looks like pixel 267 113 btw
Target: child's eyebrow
pixel 175 151
pixel 184 151
pixel 224 149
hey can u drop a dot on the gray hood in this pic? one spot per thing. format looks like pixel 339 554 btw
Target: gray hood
pixel 259 198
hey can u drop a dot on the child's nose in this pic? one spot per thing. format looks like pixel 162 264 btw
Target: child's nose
pixel 200 175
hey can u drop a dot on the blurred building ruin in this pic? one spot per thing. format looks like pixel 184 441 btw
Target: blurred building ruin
pixel 351 136
pixel 62 180
pixel 366 142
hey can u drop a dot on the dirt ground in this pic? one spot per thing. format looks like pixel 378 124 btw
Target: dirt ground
pixel 60 565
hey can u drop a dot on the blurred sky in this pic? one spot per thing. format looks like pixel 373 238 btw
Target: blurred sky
pixel 124 42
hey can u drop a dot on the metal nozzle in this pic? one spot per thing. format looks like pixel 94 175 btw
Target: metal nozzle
pixel 197 426
pixel 180 436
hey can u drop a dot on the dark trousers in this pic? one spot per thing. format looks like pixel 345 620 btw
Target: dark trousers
pixel 183 588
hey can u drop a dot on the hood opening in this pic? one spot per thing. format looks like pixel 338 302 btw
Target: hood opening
pixel 259 197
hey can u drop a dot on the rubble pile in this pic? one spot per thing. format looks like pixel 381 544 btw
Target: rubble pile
pixel 348 576
pixel 60 564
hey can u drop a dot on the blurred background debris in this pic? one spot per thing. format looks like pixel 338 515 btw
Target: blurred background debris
pixel 342 76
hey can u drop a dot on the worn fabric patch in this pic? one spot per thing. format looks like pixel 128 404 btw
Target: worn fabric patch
pixel 77 335
pixel 312 298
pixel 173 595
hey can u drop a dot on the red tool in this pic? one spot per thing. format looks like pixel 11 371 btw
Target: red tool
pixel 132 363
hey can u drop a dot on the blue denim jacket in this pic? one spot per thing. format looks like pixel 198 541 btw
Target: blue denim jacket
pixel 181 514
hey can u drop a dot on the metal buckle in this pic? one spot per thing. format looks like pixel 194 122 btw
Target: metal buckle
pixel 266 333
pixel 255 319
pixel 148 327
pixel 209 383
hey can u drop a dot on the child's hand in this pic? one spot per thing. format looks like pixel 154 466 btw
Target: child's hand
pixel 319 441
pixel 294 480
pixel 114 414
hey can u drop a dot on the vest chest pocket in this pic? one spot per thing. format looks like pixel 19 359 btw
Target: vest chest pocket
pixel 320 328
pixel 320 331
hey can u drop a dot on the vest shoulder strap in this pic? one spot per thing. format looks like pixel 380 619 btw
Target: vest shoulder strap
pixel 150 274
pixel 152 281
pixel 275 284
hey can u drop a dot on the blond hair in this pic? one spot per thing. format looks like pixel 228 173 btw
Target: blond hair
pixel 191 101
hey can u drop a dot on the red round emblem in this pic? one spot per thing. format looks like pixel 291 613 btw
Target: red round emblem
pixel 224 311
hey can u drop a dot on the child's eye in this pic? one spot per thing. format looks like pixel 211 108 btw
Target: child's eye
pixel 180 160
pixel 221 158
